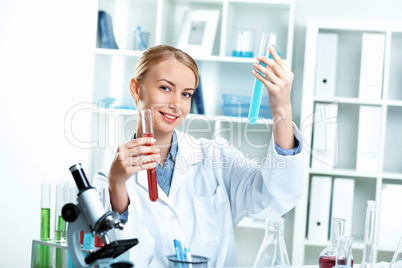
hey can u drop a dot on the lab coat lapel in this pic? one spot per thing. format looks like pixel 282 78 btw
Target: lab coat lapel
pixel 189 153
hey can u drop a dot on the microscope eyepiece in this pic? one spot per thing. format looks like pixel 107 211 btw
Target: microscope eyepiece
pixel 79 177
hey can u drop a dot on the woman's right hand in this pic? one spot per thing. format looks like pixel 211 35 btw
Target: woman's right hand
pixel 131 157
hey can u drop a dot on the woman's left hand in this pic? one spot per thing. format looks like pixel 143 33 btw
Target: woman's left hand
pixel 278 79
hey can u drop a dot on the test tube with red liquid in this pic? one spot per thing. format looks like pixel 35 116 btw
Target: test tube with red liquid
pixel 147 131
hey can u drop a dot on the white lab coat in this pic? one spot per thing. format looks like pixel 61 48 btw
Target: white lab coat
pixel 213 187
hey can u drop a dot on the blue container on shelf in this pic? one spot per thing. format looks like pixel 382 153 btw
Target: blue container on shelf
pixel 237 105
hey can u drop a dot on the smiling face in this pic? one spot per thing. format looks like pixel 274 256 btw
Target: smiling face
pixel 167 90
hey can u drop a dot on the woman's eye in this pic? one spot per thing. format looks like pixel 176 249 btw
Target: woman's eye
pixel 187 95
pixel 165 88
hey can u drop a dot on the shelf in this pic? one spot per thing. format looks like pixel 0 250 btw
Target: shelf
pixel 345 100
pixel 267 2
pixel 118 52
pixel 392 176
pixel 357 135
pixel 343 172
pixel 397 103
pixel 136 53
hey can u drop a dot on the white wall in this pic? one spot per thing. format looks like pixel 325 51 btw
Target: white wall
pixel 46 66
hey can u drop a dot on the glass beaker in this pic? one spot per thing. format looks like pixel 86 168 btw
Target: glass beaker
pixel 328 255
pixel 369 230
pixel 273 251
pixel 397 258
pixel 344 252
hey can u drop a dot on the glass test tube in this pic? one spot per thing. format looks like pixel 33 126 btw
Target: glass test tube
pixel 147 131
pixel 258 85
pixel 44 252
pixel 104 198
pixel 62 194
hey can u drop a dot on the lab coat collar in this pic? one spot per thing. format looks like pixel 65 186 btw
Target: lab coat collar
pixel 189 153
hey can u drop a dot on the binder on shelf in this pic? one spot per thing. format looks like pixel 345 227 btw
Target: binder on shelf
pixel 371 68
pixel 106 30
pixel 390 224
pixel 327 50
pixel 319 209
pixel 325 136
pixel 368 145
pixel 342 201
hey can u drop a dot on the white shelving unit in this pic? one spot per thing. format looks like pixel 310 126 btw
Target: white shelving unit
pixel 220 73
pixel 368 185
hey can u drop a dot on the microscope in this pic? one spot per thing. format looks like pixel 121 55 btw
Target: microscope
pixel 89 216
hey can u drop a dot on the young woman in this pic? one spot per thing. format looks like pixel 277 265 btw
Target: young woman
pixel 205 187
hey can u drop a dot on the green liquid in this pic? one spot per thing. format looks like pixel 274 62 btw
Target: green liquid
pixel 44 253
pixel 60 237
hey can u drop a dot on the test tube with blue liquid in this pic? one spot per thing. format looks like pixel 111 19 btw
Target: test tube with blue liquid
pixel 258 85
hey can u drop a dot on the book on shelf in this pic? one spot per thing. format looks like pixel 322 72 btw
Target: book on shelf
pixel 319 208
pixel 327 50
pixel 371 68
pixel 106 30
pixel 368 144
pixel 324 153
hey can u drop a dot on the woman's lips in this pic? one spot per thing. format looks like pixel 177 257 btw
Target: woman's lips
pixel 169 117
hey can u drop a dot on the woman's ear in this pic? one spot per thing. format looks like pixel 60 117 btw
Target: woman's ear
pixel 134 89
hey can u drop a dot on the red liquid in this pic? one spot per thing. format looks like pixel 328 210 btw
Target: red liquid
pixel 329 262
pixel 152 183
pixel 98 241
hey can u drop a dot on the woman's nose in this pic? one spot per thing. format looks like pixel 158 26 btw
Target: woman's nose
pixel 175 102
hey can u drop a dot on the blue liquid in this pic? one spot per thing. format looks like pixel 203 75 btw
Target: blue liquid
pixel 256 100
pixel 88 241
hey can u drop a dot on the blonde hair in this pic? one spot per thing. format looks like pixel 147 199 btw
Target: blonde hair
pixel 157 54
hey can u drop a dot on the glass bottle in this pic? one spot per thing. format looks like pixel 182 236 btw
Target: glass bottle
pixel 369 230
pixel 344 252
pixel 273 251
pixel 328 255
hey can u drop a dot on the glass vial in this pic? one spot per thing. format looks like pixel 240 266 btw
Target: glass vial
pixel 344 252
pixel 328 255
pixel 44 251
pixel 369 234
pixel 273 251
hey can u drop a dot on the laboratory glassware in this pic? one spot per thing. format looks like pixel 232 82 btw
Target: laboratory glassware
pixel 344 252
pixel 397 258
pixel 273 251
pixel 44 251
pixel 62 193
pixel 104 198
pixel 328 255
pixel 258 85
pixel 147 131
pixel 369 235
